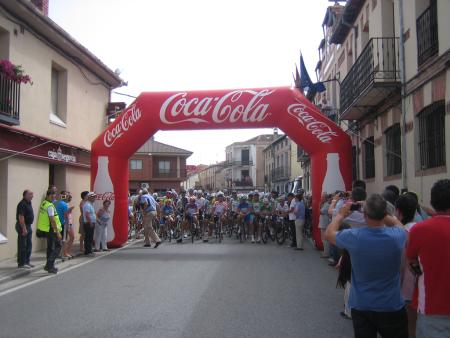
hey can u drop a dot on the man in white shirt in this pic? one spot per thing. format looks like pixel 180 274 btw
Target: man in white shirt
pixel 291 203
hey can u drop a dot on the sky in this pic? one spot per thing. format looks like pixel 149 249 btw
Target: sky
pixel 171 45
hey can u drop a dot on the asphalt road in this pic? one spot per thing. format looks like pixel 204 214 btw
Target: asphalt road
pixel 200 290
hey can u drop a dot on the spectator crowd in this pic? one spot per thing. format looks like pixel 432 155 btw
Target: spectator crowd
pixel 392 253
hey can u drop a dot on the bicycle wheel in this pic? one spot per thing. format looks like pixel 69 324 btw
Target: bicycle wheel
pixel 280 234
pixel 264 234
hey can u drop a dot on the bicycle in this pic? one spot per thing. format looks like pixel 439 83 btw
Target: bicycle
pixel 266 232
pixel 242 231
pixel 218 229
pixel 283 231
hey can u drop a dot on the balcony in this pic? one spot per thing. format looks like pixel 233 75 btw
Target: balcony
pixel 331 113
pixel 280 174
pixel 427 34
pixel 243 183
pixel 169 174
pixel 373 80
pixel 247 163
pixel 9 101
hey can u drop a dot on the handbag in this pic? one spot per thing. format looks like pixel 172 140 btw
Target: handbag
pixel 41 234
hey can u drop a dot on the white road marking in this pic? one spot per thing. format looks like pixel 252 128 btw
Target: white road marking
pixel 41 279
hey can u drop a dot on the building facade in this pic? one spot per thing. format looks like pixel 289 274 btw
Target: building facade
pixel 46 128
pixel 280 165
pixel 157 166
pixel 369 59
pixel 212 178
pixel 245 163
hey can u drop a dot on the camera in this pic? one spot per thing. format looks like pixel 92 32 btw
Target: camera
pixel 355 207
pixel 415 268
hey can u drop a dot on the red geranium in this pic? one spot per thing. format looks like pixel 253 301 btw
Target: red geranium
pixel 13 72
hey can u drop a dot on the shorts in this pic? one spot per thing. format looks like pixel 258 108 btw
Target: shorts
pixel 81 227
pixel 249 218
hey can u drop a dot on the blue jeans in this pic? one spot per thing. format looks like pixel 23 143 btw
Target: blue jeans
pixel 24 245
pixel 433 326
pixel 335 253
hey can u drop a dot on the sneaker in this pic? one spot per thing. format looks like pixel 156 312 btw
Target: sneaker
pixel 26 267
pixel 253 239
pixel 53 270
pixel 30 265
pixel 147 245
pixel 298 249
pixel 157 244
pixel 258 240
pixel 180 240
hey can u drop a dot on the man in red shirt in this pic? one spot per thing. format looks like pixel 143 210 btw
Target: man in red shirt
pixel 428 253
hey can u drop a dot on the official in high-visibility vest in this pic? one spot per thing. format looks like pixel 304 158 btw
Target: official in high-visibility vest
pixel 49 223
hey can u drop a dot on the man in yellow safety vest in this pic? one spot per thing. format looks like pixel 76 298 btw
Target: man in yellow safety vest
pixel 50 225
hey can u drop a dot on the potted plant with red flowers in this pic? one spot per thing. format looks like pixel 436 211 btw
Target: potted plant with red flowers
pixel 13 72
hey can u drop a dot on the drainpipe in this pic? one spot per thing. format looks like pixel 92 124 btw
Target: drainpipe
pixel 403 98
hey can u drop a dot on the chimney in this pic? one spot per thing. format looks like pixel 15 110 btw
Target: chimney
pixel 41 5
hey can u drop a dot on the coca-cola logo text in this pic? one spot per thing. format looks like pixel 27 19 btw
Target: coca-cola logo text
pixel 106 196
pixel 127 119
pixel 321 130
pixel 238 105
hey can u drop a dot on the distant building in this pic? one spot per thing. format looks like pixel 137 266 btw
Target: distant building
pixel 245 163
pixel 192 176
pixel 158 166
pixel 280 165
pixel 212 178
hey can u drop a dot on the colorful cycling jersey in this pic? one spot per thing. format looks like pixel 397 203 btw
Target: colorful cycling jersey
pixel 257 207
pixel 266 208
pixel 201 202
pixel 283 207
pixel 244 207
pixel 167 210
pixel 191 209
pixel 234 205
pixel 220 207
pixel 209 207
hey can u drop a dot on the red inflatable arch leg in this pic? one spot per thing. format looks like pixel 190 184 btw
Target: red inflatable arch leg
pixel 328 146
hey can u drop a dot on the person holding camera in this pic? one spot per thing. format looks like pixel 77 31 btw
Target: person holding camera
pixel 375 251
pixel 428 252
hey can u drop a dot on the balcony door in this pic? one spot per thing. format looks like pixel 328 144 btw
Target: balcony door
pixel 245 156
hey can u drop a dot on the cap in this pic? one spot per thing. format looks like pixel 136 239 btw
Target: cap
pixel 91 194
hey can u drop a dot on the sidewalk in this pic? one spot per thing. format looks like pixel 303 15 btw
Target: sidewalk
pixel 9 270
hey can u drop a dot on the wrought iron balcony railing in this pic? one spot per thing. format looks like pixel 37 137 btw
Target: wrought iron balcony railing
pixel 280 173
pixel 427 34
pixel 243 183
pixel 170 173
pixel 9 101
pixel 238 163
pixel 376 67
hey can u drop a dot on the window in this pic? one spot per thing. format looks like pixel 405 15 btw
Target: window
pixel 164 167
pixel 245 156
pixel 58 95
pixel 393 150
pixel 432 135
pixel 136 164
pixel 369 157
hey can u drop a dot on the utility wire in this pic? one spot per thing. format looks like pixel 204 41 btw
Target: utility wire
pixel 17 153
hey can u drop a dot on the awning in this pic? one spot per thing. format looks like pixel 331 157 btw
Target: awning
pixel 18 142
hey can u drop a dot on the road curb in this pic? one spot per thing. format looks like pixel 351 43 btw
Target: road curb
pixel 22 273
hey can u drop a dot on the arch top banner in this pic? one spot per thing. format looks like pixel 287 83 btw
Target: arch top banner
pixel 282 107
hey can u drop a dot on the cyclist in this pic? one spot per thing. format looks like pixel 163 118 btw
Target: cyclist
pixel 218 211
pixel 255 222
pixel 244 214
pixel 191 214
pixel 168 215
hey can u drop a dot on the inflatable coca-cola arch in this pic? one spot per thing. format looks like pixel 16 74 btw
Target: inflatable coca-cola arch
pixel 284 107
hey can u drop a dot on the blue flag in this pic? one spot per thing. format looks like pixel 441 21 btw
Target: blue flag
pixel 306 82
